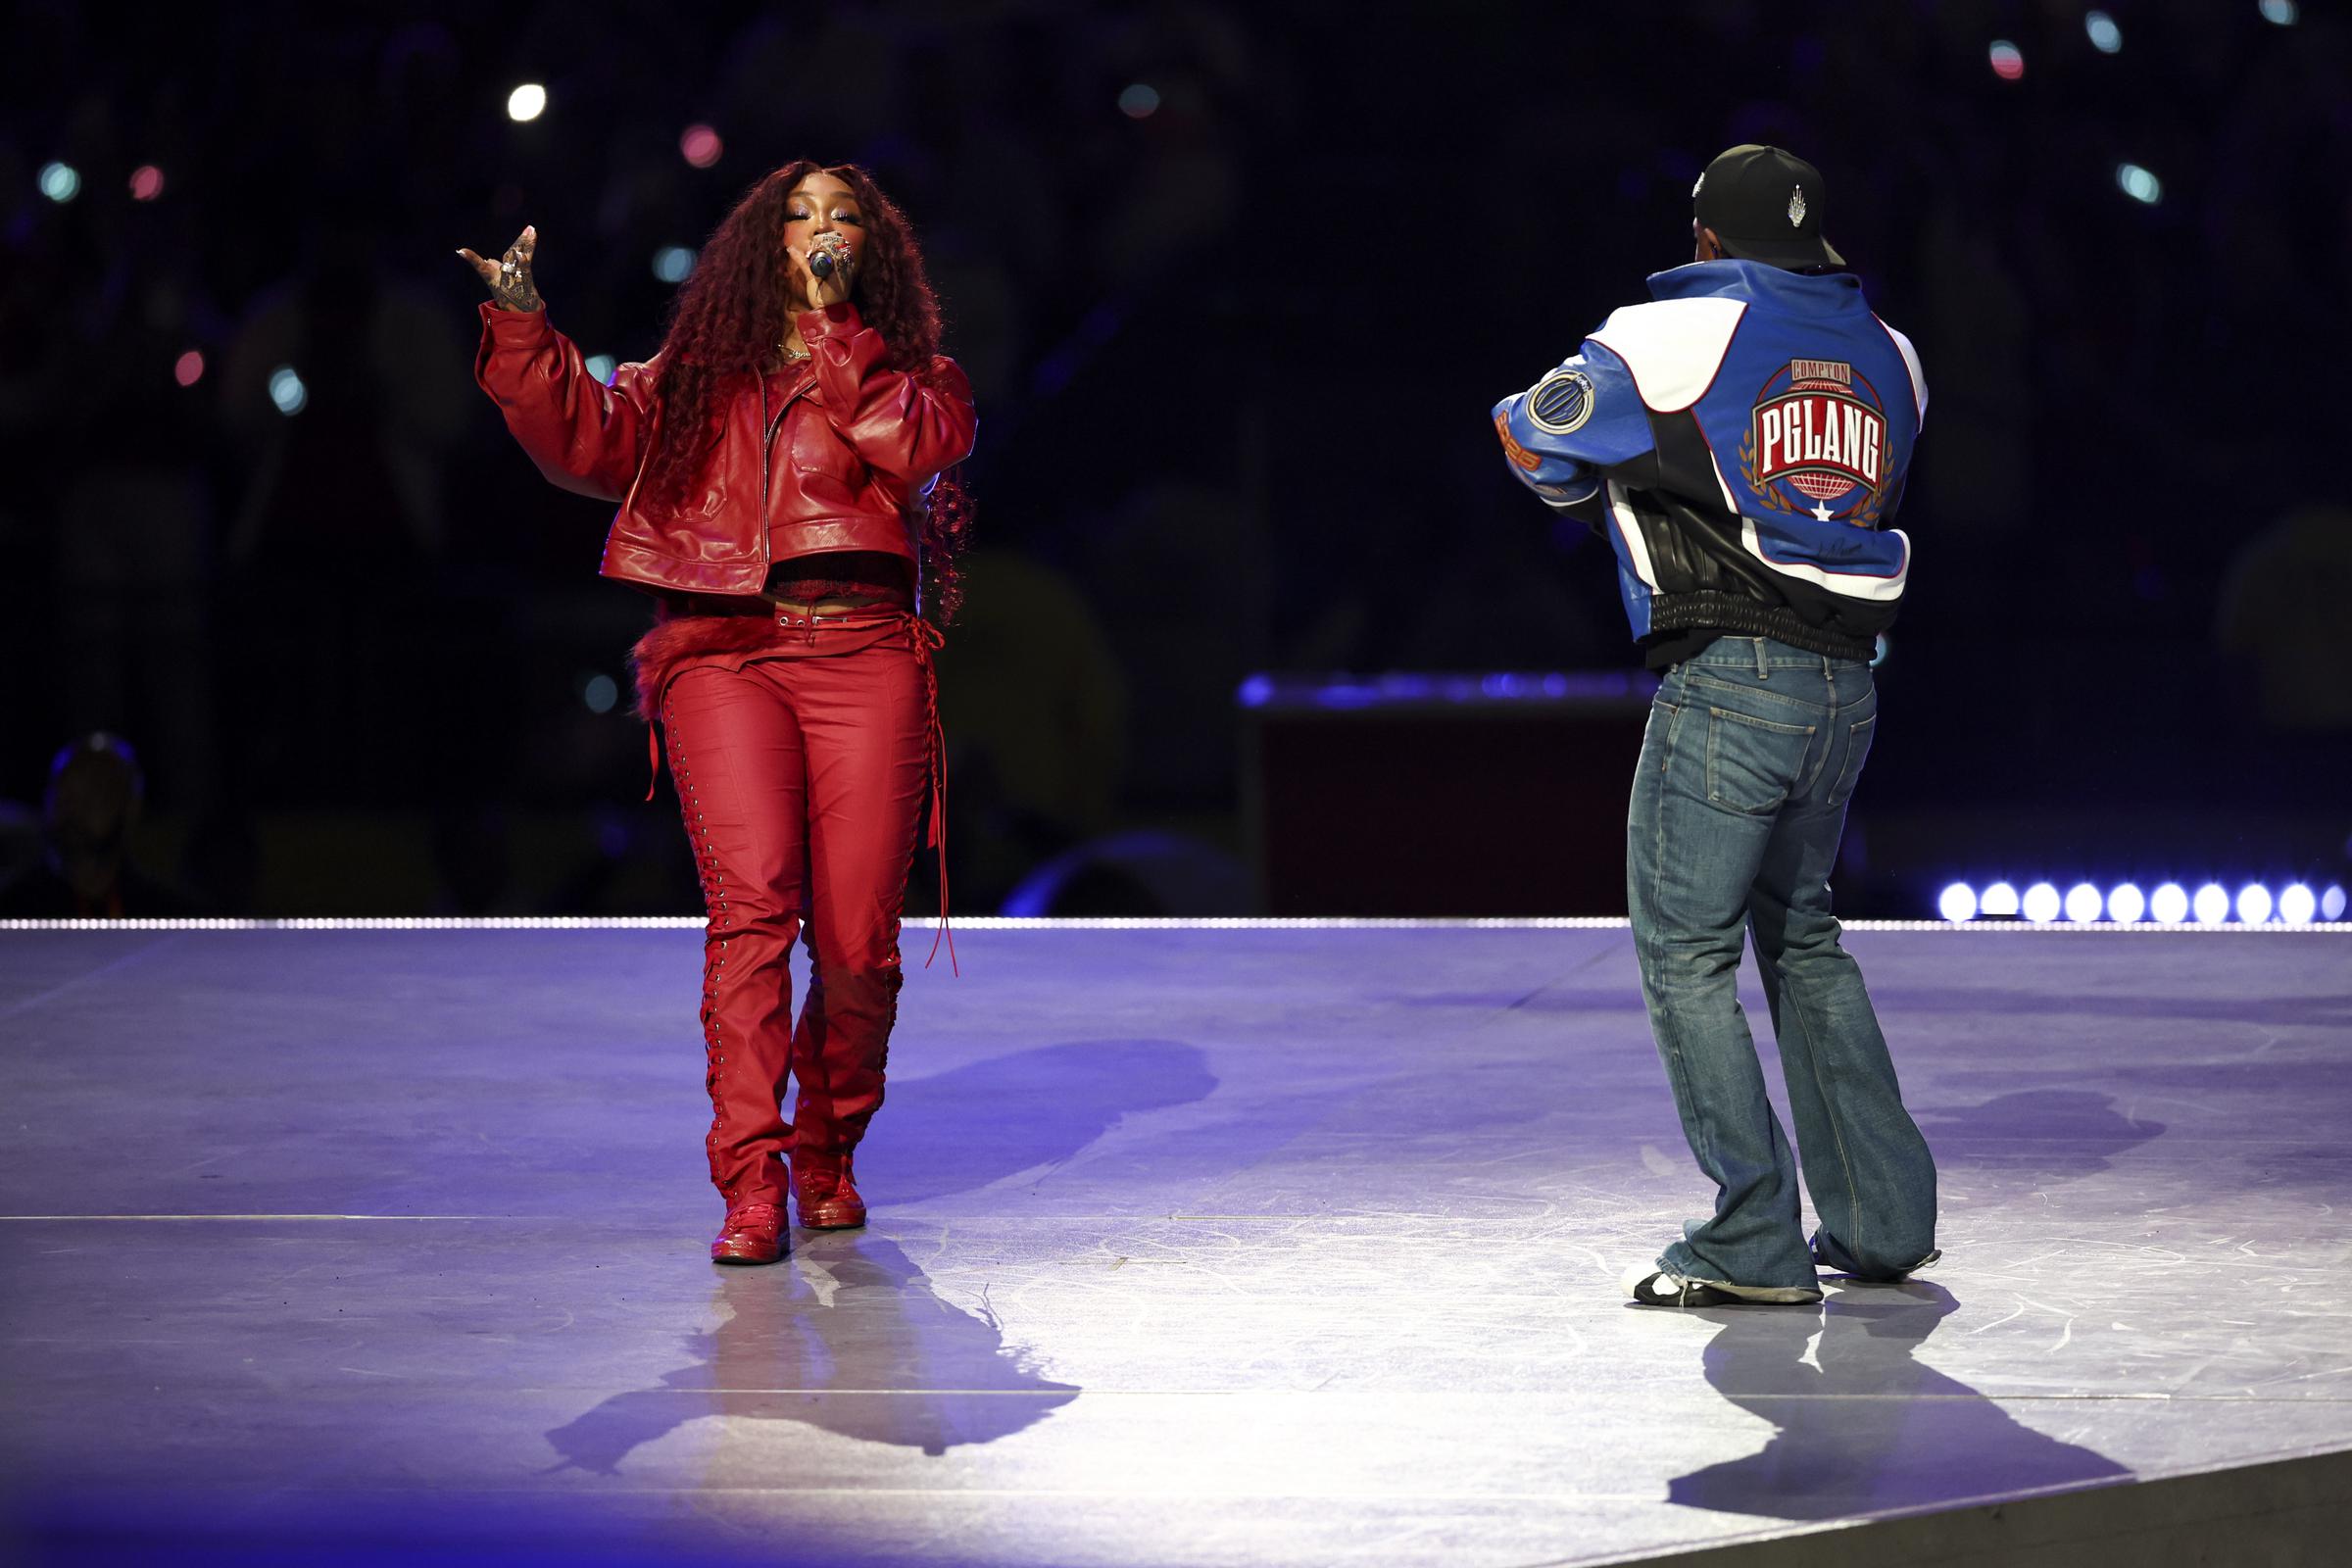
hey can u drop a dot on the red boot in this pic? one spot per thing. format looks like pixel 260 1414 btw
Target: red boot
pixel 823 1187
pixel 753 1234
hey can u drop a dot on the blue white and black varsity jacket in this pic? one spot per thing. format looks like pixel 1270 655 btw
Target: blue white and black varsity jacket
pixel 1742 441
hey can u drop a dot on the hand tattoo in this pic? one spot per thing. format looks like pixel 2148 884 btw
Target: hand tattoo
pixel 513 288
pixel 509 278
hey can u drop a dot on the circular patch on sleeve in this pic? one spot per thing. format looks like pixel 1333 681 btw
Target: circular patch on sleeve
pixel 1561 402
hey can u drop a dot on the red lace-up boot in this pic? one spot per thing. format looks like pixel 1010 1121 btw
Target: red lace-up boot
pixel 826 1191
pixel 753 1234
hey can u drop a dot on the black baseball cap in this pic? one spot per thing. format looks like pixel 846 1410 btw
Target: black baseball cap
pixel 1765 204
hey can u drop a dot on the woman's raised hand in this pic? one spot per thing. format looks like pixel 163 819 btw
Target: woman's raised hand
pixel 509 278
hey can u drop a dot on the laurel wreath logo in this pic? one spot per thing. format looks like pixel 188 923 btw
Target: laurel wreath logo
pixel 1864 515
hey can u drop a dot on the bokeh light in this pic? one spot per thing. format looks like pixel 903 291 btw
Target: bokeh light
pixel 2105 37
pixel 526 102
pixel 2008 61
pixel 701 146
pixel 2042 902
pixel 1139 100
pixel 1958 903
pixel 2281 13
pixel 1999 901
pixel 2125 904
pixel 188 368
pixel 287 391
pixel 2083 902
pixel 2297 904
pixel 602 366
pixel 673 264
pixel 2168 904
pixel 2139 183
pixel 2253 904
pixel 2211 906
pixel 600 693
pixel 2331 904
pixel 61 182
pixel 146 184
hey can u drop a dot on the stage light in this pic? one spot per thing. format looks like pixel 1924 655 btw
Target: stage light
pixel 2084 904
pixel 2332 904
pixel 2281 13
pixel 60 182
pixel 1958 903
pixel 287 391
pixel 2297 904
pixel 188 368
pixel 1139 100
pixel 2042 902
pixel 2008 61
pixel 600 693
pixel 701 146
pixel 2211 906
pixel 2169 904
pixel 1999 901
pixel 672 263
pixel 2126 905
pixel 526 102
pixel 2253 904
pixel 146 184
pixel 2139 183
pixel 2105 37
pixel 602 366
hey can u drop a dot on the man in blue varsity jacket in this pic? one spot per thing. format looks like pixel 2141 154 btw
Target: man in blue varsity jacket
pixel 1742 440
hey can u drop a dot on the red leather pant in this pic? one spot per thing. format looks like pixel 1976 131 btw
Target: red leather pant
pixel 801 772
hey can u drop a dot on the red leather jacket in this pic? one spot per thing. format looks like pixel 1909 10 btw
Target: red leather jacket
pixel 826 457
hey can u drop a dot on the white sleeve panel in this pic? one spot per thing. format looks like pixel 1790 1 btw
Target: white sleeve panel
pixel 1672 347
pixel 1919 377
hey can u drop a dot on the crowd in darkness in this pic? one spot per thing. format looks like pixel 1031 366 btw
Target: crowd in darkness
pixel 1236 284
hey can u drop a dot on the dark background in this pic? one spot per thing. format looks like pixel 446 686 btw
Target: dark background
pixel 1234 360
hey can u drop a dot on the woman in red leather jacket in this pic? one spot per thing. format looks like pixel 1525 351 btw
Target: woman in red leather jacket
pixel 777 467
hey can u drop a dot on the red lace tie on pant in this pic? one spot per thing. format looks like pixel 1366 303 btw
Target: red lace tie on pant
pixel 926 639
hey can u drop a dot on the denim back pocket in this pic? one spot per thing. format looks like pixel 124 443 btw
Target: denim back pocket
pixel 1754 763
pixel 1857 750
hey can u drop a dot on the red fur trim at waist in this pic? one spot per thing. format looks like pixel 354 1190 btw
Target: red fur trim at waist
pixel 681 638
pixel 674 641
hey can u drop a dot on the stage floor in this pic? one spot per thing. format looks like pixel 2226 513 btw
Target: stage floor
pixel 1229 1246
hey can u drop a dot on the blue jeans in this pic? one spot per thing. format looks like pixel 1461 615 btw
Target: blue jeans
pixel 1752 751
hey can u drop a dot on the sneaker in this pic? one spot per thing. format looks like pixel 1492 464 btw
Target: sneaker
pixel 1652 1286
pixel 1822 1249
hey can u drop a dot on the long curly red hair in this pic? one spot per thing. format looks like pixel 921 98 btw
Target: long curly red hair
pixel 734 309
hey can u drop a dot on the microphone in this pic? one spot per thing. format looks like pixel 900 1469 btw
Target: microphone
pixel 829 254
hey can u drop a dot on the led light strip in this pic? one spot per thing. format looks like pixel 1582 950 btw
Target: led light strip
pixel 2294 905
pixel 999 922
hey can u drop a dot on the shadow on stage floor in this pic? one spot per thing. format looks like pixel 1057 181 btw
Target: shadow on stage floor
pixel 811 1341
pixel 1860 1426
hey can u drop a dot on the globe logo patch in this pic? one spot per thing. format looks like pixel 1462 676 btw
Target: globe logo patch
pixel 1561 402
pixel 1816 443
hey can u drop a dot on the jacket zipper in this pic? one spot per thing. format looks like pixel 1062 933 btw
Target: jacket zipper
pixel 768 445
